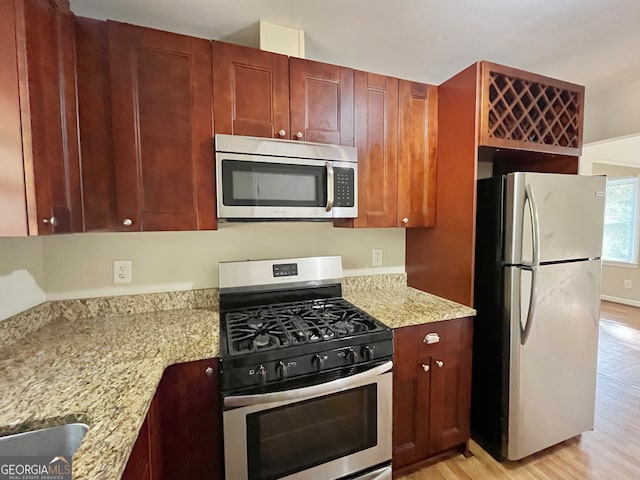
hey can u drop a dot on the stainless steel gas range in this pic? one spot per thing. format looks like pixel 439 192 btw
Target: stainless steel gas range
pixel 305 375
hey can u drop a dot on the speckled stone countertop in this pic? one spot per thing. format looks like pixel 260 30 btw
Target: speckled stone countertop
pixel 99 361
pixel 102 371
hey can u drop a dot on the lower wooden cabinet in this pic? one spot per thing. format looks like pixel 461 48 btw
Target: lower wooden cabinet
pixel 431 389
pixel 181 438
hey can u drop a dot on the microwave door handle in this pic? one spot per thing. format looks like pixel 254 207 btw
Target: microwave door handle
pixel 307 392
pixel 330 187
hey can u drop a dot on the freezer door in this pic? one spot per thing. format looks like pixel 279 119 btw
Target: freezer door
pixel 552 375
pixel 558 217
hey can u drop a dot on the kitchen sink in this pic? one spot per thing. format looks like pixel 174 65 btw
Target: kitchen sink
pixel 62 440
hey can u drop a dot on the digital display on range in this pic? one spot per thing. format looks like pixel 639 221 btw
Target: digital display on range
pixel 285 270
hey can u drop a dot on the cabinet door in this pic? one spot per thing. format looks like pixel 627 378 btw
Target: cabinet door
pixel 46 71
pixel 417 153
pixel 191 421
pixel 376 136
pixel 138 466
pixel 411 386
pixel 321 102
pixel 13 202
pixel 250 91
pixel 449 416
pixel 162 129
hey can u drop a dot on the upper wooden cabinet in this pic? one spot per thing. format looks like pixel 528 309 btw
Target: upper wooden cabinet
pixel 38 89
pixel 161 103
pixel 396 135
pixel 264 94
pixel 321 102
pixel 250 91
pixel 525 111
pixel 417 154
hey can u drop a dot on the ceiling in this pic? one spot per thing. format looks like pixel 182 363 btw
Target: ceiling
pixel 590 42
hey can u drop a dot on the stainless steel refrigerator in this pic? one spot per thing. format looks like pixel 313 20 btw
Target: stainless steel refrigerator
pixel 537 294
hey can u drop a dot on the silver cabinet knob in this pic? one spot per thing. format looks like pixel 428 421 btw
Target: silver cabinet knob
pixel 127 222
pixel 208 371
pixel 425 367
pixel 439 363
pixel 405 220
pixel 50 221
pixel 430 338
pixel 299 135
pixel 282 133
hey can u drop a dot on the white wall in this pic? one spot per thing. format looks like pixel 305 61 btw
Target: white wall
pixel 612 113
pixel 80 265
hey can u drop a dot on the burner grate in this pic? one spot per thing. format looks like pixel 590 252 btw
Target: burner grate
pixel 281 325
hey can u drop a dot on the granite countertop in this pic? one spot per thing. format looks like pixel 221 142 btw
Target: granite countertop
pixel 102 371
pixel 99 361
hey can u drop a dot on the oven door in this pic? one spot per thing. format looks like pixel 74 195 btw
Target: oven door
pixel 327 431
pixel 254 186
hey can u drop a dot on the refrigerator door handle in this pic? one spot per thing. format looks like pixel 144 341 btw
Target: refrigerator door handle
pixel 533 298
pixel 530 199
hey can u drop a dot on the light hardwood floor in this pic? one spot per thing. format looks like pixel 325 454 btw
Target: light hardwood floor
pixel 611 451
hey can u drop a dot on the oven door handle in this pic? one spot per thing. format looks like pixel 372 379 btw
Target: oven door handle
pixel 312 391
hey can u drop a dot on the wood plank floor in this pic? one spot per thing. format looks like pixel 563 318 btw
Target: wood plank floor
pixel 611 451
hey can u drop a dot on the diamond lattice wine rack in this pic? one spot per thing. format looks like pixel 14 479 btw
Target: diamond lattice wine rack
pixel 521 110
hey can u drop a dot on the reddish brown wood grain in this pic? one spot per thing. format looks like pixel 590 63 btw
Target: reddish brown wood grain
pixel 250 91
pixel 417 154
pixel 321 102
pixel 13 202
pixel 94 119
pixel 440 260
pixel 376 136
pixel 46 72
pixel 138 466
pixel 162 128
pixel 191 422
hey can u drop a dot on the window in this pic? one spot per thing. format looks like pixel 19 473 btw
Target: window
pixel 620 243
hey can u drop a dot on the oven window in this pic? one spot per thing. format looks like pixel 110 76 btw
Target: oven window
pixel 301 435
pixel 273 184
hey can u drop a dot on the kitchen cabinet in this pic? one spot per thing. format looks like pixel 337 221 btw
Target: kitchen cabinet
pixel 250 91
pixel 181 438
pixel 161 110
pixel 265 94
pixel 431 390
pixel 502 120
pixel 396 136
pixel 37 76
pixel 321 102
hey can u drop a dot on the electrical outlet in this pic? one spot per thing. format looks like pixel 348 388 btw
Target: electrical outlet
pixel 376 257
pixel 627 284
pixel 122 271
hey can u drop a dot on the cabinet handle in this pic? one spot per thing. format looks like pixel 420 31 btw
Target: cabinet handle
pixel 208 372
pixel 127 222
pixel 439 363
pixel 299 135
pixel 430 338
pixel 282 133
pixel 425 367
pixel 50 221
pixel 405 220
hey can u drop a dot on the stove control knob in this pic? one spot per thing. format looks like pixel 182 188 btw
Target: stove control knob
pixel 283 369
pixel 262 373
pixel 318 361
pixel 367 352
pixel 350 355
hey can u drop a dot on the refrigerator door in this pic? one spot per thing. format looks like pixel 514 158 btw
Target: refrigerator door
pixel 552 217
pixel 552 373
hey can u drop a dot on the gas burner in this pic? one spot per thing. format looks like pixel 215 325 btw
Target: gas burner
pixel 344 328
pixel 255 322
pixel 261 340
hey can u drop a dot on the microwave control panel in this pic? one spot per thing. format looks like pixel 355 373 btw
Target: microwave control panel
pixel 344 188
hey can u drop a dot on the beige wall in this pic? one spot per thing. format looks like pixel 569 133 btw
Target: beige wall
pixel 613 277
pixel 612 113
pixel 80 265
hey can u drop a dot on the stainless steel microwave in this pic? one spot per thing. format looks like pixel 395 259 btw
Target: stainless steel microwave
pixel 262 178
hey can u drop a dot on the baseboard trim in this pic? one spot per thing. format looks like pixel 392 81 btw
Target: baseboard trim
pixel 624 301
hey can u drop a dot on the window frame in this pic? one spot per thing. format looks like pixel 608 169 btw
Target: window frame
pixel 633 261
